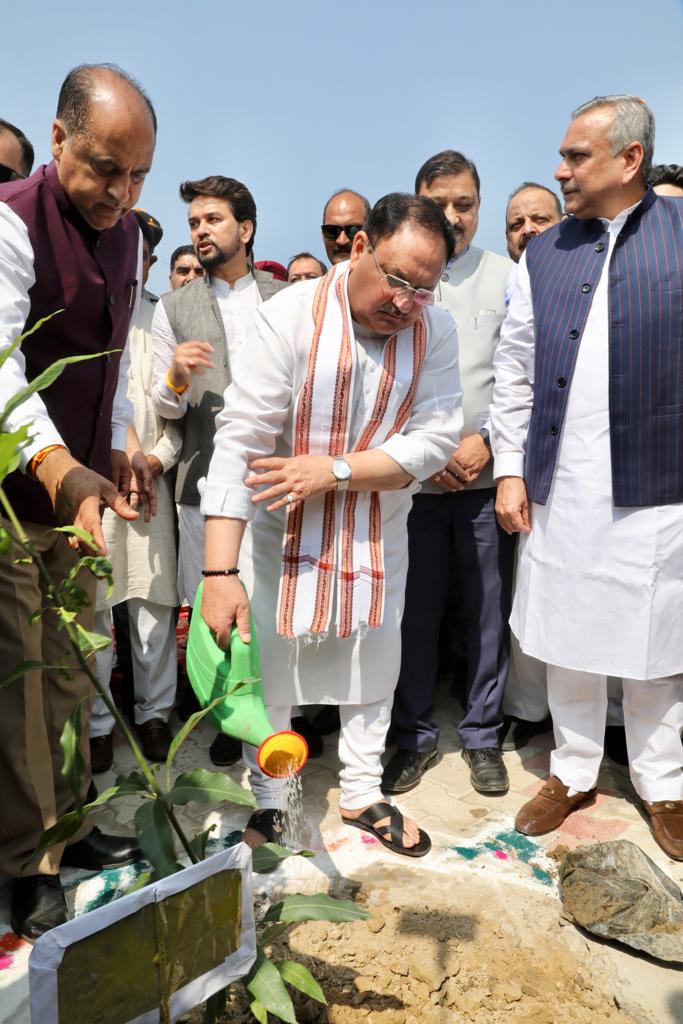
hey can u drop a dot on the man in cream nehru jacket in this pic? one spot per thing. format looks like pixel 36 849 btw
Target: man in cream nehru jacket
pixel 453 518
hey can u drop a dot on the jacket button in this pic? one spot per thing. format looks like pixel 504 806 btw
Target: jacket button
pixel 562 383
pixel 600 247
pixel 573 334
pixel 585 288
pixel 112 299
pixel 554 430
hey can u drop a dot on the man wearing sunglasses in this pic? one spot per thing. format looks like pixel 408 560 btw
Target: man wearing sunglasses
pixel 453 523
pixel 344 215
pixel 16 153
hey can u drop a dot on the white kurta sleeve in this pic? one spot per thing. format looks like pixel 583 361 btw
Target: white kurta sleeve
pixel 166 402
pixel 433 431
pixel 16 279
pixel 257 404
pixel 169 445
pixel 513 389
pixel 123 411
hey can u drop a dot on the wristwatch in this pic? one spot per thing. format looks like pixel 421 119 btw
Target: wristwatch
pixel 484 435
pixel 342 473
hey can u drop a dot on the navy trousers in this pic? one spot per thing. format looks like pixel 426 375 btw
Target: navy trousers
pixel 459 529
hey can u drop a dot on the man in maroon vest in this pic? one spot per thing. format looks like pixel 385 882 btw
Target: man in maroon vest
pixel 67 243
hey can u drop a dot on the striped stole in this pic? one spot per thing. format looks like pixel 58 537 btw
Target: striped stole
pixel 327 541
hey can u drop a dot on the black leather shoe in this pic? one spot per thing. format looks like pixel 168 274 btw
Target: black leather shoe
pixel 405 769
pixel 38 904
pixel 488 773
pixel 327 720
pixel 225 750
pixel 98 850
pixel 155 739
pixel 517 732
pixel 313 738
pixel 101 753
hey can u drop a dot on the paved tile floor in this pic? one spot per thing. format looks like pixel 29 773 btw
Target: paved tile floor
pixel 465 827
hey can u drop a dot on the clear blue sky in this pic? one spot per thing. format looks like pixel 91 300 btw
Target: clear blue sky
pixel 298 99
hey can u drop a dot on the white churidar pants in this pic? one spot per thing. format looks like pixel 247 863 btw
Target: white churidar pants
pixel 362 740
pixel 155 663
pixel 653 718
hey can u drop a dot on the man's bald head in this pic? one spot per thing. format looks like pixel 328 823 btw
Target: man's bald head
pixel 99 84
pixel 103 141
pixel 345 214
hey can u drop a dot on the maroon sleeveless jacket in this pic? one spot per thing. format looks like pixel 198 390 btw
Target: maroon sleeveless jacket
pixel 91 276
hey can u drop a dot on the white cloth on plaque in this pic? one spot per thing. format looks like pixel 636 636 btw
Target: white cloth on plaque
pixel 258 420
pixel 599 588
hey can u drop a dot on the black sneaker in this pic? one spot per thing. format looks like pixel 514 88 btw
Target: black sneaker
pixel 405 769
pixel 517 732
pixel 488 773
pixel 225 750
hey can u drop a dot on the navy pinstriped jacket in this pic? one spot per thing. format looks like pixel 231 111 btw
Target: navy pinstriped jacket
pixel 645 347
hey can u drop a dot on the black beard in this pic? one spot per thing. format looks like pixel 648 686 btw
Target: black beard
pixel 216 258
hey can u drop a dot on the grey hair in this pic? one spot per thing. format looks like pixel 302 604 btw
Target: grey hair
pixel 633 122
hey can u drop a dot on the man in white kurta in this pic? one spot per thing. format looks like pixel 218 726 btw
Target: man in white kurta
pixel 353 664
pixel 599 587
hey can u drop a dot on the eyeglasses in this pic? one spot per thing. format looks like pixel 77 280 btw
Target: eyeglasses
pixel 403 290
pixel 9 174
pixel 333 231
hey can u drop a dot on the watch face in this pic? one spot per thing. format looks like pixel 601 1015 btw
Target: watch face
pixel 341 469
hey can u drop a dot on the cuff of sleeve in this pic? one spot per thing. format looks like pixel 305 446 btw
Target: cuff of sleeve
pixel 40 440
pixel 409 454
pixel 233 503
pixel 508 464
pixel 166 456
pixel 119 436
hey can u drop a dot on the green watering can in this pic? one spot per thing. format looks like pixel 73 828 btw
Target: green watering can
pixel 236 676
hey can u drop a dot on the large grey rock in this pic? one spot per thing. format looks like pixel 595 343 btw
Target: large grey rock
pixel 615 891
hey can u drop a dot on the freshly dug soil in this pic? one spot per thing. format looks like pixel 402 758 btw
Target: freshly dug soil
pixel 445 951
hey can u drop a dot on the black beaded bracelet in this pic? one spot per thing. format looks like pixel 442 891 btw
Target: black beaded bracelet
pixel 220 572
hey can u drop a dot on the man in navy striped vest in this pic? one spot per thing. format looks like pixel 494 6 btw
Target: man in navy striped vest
pixel 587 422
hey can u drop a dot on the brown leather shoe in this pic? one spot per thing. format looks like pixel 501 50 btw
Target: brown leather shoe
pixel 101 753
pixel 547 810
pixel 666 823
pixel 155 739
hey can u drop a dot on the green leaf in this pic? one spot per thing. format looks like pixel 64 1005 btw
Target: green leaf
pixel 140 882
pixel 259 1011
pixel 267 987
pixel 64 616
pixel 198 843
pixel 134 781
pixel 268 856
pixel 187 728
pixel 4 356
pixel 23 667
pixel 91 642
pixel 156 837
pixel 75 531
pixel 274 931
pixel 65 828
pixel 318 907
pixel 10 450
pixel 5 541
pixel 208 788
pixel 73 768
pixel 44 380
pixel 300 977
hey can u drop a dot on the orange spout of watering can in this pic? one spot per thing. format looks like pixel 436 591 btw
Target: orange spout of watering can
pixel 235 675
